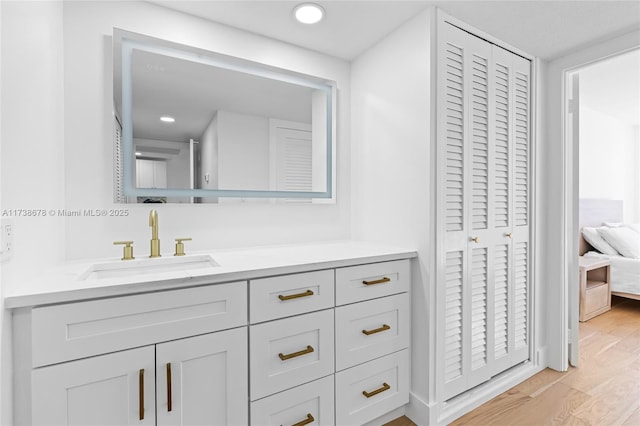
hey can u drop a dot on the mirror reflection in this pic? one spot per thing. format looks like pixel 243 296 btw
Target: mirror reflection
pixel 206 128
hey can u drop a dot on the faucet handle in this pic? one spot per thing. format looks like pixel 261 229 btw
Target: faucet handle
pixel 180 246
pixel 127 250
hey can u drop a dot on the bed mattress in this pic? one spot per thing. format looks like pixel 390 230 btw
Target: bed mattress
pixel 625 272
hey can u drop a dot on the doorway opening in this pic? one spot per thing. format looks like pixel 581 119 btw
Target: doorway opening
pixel 602 132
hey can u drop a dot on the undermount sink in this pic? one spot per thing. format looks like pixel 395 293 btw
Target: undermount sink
pixel 158 265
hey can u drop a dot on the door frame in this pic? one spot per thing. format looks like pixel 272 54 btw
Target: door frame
pixel 559 349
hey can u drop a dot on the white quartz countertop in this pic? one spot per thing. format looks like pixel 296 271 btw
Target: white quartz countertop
pixel 65 283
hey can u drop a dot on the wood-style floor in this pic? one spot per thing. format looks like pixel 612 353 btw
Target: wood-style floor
pixel 604 390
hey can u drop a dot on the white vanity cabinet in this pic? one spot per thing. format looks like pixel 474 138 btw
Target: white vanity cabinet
pixel 197 380
pixel 325 345
pixel 167 358
pixel 350 358
pixel 372 340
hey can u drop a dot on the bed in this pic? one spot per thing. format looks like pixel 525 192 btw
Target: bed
pixel 625 272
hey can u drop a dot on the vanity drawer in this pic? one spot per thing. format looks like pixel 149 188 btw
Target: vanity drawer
pixel 284 296
pixel 356 283
pixel 371 329
pixel 311 402
pixel 372 389
pixel 76 330
pixel 291 351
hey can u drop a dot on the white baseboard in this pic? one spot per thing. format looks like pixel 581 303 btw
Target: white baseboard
pixel 418 410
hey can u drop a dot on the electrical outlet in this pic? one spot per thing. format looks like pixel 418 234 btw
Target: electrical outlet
pixel 6 239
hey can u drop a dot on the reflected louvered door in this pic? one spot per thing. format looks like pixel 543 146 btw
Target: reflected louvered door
pixel 483 145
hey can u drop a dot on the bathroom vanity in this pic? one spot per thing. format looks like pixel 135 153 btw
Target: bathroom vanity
pixel 286 335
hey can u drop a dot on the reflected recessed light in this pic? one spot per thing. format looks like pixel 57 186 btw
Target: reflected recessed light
pixel 308 13
pixel 138 154
pixel 167 119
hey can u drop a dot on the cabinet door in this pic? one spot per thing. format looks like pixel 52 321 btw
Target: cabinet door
pixel 203 380
pixel 114 389
pixel 483 293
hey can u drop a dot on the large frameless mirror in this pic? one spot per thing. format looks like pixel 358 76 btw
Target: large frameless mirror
pixel 193 126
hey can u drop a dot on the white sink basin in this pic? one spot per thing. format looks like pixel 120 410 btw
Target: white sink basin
pixel 158 265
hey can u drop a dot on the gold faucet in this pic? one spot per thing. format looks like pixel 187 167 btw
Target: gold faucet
pixel 155 242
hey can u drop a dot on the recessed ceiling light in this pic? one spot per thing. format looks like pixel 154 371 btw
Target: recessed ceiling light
pixel 308 13
pixel 167 119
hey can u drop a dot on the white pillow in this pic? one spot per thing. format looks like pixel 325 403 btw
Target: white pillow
pixel 595 239
pixel 634 226
pixel 623 239
pixel 613 224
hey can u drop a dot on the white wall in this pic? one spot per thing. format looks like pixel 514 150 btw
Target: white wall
pixel 87 30
pixel 5 321
pixel 32 150
pixel 391 174
pixel 609 153
pixel 243 151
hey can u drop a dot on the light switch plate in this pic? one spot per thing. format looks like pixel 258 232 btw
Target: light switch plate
pixel 6 238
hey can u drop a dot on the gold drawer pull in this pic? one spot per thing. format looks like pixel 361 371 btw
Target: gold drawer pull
pixel 384 387
pixel 508 234
pixel 380 281
pixel 306 421
pixel 296 354
pixel 169 396
pixel 384 327
pixel 141 395
pixel 475 239
pixel 295 296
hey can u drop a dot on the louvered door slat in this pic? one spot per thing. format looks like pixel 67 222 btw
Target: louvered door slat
pixel 454 145
pixel 480 142
pixel 521 148
pixel 501 141
pixel 478 308
pixel 520 300
pixel 453 315
pixel 501 296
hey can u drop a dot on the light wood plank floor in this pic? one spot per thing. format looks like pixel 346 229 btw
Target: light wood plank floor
pixel 604 390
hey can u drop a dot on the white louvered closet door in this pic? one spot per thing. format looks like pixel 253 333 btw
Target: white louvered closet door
pixel 483 201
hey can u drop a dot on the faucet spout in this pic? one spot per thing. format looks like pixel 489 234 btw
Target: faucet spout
pixel 155 242
pixel 153 223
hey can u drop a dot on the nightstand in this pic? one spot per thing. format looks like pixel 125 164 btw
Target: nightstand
pixel 595 287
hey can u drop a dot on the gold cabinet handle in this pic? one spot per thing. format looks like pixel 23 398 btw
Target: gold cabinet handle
pixel 127 250
pixel 180 246
pixel 306 421
pixel 384 327
pixel 169 397
pixel 475 239
pixel 380 281
pixel 508 234
pixel 308 350
pixel 384 387
pixel 295 296
pixel 141 395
